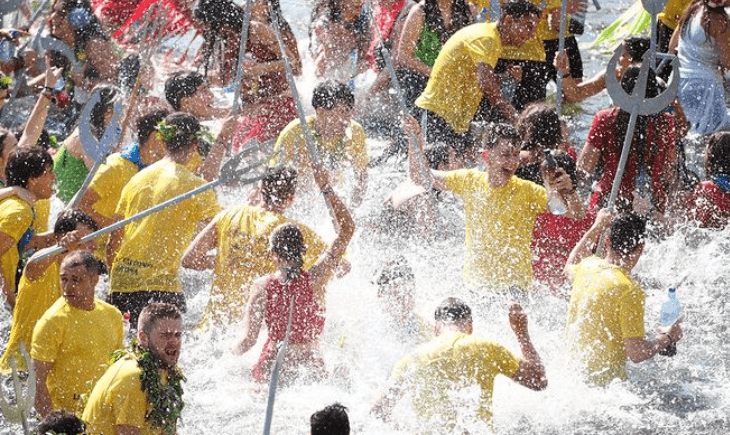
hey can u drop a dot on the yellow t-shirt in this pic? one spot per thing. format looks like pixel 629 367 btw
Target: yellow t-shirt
pixel 42 209
pixel 672 12
pixel 118 400
pixel 453 90
pixel 151 251
pixel 290 147
pixel 79 344
pixel 16 216
pixel 109 181
pixel 450 362
pixel 34 298
pixel 499 226
pixel 243 255
pixel 606 307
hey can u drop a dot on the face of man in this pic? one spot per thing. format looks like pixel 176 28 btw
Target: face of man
pixel 333 122
pixel 164 340
pixel 524 29
pixel 502 161
pixel 78 285
pixel 42 185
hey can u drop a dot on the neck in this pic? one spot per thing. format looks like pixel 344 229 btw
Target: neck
pixel 32 197
pixel 504 33
pixel 619 261
pixel 496 181
pixel 179 158
pixel 320 127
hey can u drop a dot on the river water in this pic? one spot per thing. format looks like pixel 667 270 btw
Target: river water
pixel 687 394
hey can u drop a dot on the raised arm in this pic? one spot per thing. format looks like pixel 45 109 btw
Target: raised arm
pixel 489 85
pixel 575 91
pixel 196 256
pixel 587 244
pixel 252 318
pixel 405 56
pixel 210 169
pixel 37 118
pixel 325 266
pixel 531 372
pixel 416 155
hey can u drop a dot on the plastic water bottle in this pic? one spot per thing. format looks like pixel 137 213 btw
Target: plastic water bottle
pixel 671 310
pixel 555 201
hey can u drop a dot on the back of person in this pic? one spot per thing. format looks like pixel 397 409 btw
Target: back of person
pixel 151 253
pixel 697 52
pixel 606 307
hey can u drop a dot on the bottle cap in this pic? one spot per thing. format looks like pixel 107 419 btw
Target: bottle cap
pixel 672 289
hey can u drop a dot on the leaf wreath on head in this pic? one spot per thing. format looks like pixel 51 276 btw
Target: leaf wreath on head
pixel 169 132
pixel 165 401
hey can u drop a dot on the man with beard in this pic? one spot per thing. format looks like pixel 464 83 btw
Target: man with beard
pixel 121 404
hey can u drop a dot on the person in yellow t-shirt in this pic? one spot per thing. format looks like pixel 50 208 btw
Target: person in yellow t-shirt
pixel 605 324
pixel 500 211
pixel 455 360
pixel 119 404
pixel 463 85
pixel 339 139
pixel 30 169
pixel 101 198
pixel 74 339
pixel 40 284
pixel 146 255
pixel 240 236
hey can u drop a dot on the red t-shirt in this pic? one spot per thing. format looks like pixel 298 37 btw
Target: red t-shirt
pixel 659 146
pixel 710 205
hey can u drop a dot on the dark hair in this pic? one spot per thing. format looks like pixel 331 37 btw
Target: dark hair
pixel 395 269
pixel 287 243
pixel 495 132
pixel 108 96
pixel 61 422
pixel 539 125
pixel 129 68
pixel 147 124
pixel 279 184
pixel 215 15
pixel 85 26
pixel 635 47
pixel 692 9
pixel 182 84
pixel 69 220
pixel 186 128
pixel 86 259
pixel 460 17
pixel 718 154
pixel 155 311
pixel 330 93
pixel 627 233
pixel 27 163
pixel 519 8
pixel 332 420
pixel 565 161
pixel 452 310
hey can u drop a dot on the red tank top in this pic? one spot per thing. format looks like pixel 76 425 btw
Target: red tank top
pixel 307 323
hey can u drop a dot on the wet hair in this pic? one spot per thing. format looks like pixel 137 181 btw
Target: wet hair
pixel 718 154
pixel 635 47
pixel 27 163
pixel 279 184
pixel 495 132
pixel 86 26
pixel 215 16
pixel 395 270
pixel 69 220
pixel 109 95
pixel 182 84
pixel 627 233
pixel 539 126
pixel 186 130
pixel 287 243
pixel 565 161
pixel 452 310
pixel 147 124
pixel 61 422
pixel 330 93
pixel 706 9
pixel 460 17
pixel 154 312
pixel 86 259
pixel 332 420
pixel 129 69
pixel 519 8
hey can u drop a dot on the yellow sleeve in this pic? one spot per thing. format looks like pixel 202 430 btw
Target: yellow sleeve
pixel 497 356
pixel 632 312
pixel 129 402
pixel 484 50
pixel 210 206
pixel 358 150
pixel 123 203
pixel 105 181
pixel 538 198
pixel 46 339
pixel 458 181
pixel 15 219
pixel 284 148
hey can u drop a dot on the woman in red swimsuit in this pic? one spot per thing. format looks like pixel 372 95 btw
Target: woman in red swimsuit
pixel 293 288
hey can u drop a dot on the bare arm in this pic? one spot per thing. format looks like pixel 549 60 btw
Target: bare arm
pixel 531 372
pixel 327 263
pixel 6 242
pixel 405 56
pixel 718 30
pixel 587 161
pixel 575 91
pixel 37 118
pixel 86 204
pixel 101 55
pixel 489 85
pixel 385 403
pixel 42 399
pixel 416 155
pixel 114 242
pixel 587 244
pixel 210 169
pixel 196 256
pixel 252 318
pixel 641 349
pixel 361 186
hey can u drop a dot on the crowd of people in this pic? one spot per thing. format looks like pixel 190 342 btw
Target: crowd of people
pixel 539 215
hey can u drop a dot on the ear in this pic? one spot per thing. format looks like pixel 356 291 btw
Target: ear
pixel 143 338
pixel 469 326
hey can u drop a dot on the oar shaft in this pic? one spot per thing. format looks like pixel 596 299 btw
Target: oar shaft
pixel 277 367
pixel 243 41
pixel 561 50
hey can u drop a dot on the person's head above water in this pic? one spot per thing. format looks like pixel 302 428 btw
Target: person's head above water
pixel 278 187
pixel 287 245
pixel 453 314
pixel 332 420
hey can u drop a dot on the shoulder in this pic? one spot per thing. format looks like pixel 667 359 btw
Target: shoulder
pixel 108 309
